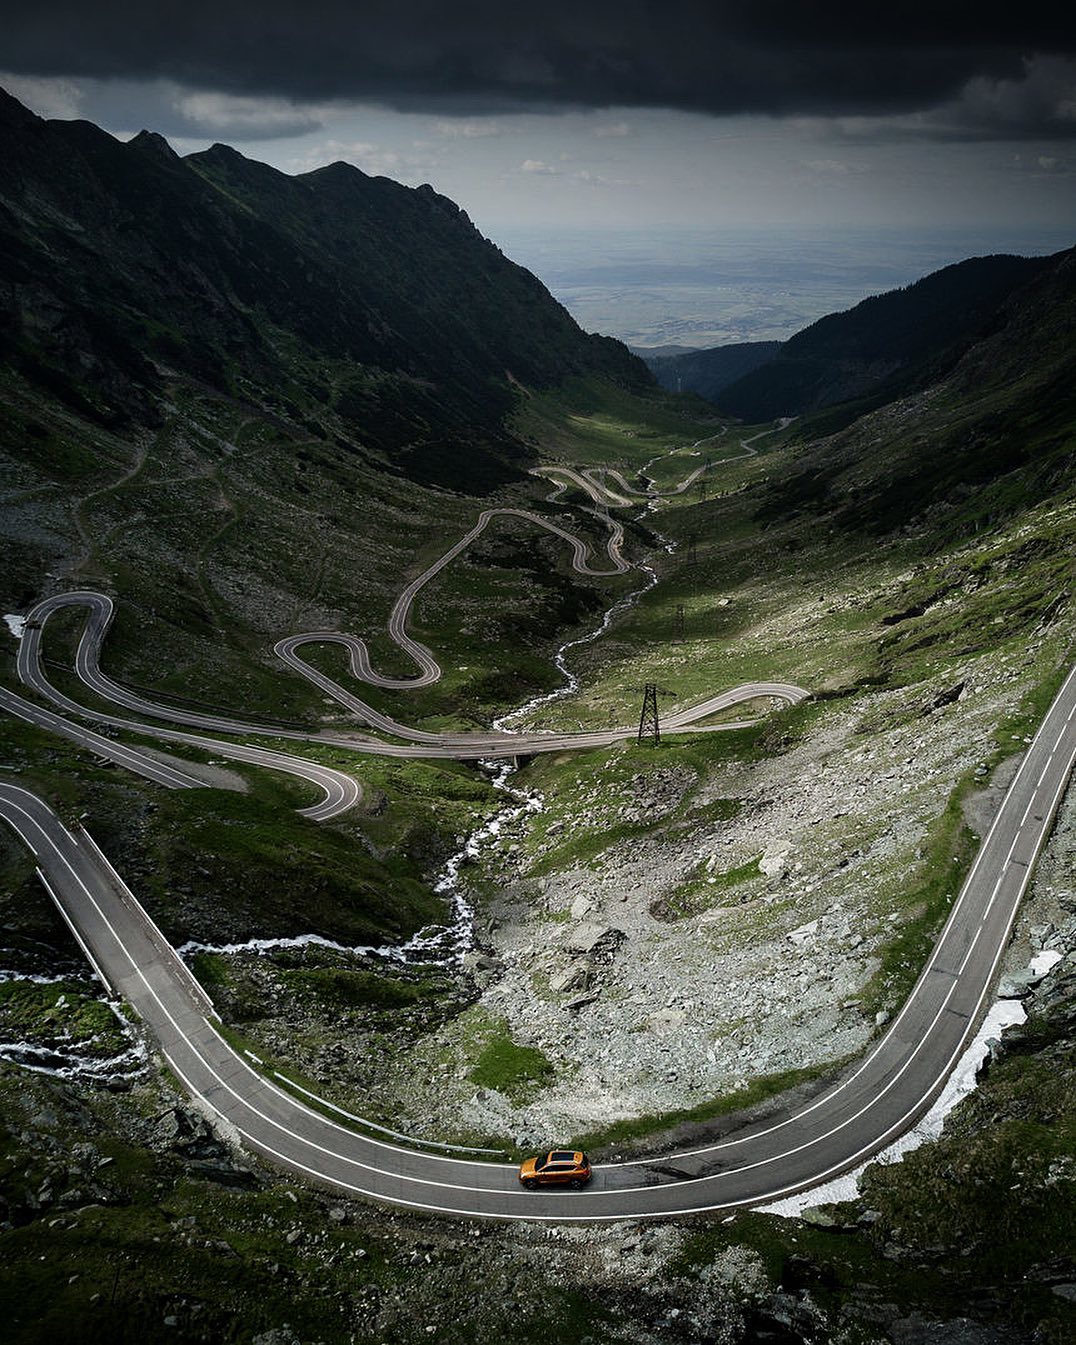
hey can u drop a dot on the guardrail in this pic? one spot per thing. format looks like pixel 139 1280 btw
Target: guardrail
pixel 384 1130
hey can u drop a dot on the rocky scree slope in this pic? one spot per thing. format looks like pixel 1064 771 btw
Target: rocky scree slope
pixel 123 1213
pixel 368 310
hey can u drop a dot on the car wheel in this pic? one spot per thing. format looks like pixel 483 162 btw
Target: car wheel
pixel 576 1185
pixel 531 1184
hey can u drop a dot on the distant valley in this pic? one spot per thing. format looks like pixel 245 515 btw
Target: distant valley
pixel 886 346
pixel 730 286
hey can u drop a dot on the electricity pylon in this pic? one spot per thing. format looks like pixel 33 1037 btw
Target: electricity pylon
pixel 649 727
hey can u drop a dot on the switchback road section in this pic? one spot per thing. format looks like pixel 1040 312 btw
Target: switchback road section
pixel 878 1100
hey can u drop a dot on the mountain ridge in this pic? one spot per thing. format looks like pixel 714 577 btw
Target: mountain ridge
pixel 709 372
pixel 362 307
pixel 914 568
pixel 859 358
pixel 992 435
pixel 886 345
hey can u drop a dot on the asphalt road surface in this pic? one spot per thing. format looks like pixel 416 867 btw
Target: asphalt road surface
pixel 339 790
pixel 862 1113
pixel 416 742
pixel 594 480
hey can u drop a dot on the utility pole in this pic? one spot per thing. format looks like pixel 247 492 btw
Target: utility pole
pixel 649 729
pixel 692 550
pixel 704 488
pixel 678 623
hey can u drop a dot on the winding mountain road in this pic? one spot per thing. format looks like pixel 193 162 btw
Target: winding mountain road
pixel 414 742
pixel 859 1115
pixel 592 480
pixel 863 1112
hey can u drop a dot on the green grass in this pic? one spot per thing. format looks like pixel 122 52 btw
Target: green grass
pixel 702 892
pixel 519 1072
pixel 584 790
pixel 161 1242
pixel 210 970
pixel 258 867
pixel 330 986
pixel 609 1140
pixel 948 853
pixel 275 872
pixel 585 848
pixel 593 422
pixel 1029 714
pixel 60 1009
pixel 310 1092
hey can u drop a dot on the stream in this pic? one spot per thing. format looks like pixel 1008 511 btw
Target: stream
pixel 63 1058
pixel 446 945
pixel 440 945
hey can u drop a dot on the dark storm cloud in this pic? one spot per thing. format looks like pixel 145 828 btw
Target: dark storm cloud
pixel 724 56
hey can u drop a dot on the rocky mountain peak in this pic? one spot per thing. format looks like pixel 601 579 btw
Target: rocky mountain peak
pixel 153 145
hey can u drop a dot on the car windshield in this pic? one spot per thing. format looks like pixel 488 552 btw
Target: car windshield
pixel 539 1163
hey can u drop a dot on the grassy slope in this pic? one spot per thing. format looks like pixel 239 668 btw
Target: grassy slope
pixel 217 535
pixel 841 626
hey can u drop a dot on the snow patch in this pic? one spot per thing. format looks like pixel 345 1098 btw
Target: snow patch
pixel 1045 962
pixel 15 624
pixel 962 1082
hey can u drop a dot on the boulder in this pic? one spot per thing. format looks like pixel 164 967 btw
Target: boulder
pixel 582 906
pixel 1018 984
pixel 805 933
pixel 586 936
pixel 775 858
pixel 573 977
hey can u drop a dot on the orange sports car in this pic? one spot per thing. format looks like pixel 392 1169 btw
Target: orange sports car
pixel 559 1167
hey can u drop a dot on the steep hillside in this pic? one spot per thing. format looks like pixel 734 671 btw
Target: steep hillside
pixel 371 312
pixel 709 372
pixel 993 437
pixel 885 346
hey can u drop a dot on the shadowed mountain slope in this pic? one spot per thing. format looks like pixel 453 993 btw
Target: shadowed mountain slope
pixel 884 347
pixel 367 310
pixel 710 372
pixel 996 435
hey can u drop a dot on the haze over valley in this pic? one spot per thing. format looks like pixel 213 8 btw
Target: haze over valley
pixel 698 289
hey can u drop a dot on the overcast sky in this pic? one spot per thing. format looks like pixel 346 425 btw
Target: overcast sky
pixel 775 113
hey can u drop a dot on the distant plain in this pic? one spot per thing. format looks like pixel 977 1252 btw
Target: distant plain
pixel 695 289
